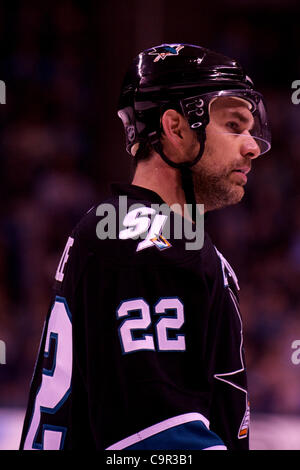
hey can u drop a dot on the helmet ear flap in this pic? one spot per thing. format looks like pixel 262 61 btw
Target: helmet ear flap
pixel 129 122
pixel 195 110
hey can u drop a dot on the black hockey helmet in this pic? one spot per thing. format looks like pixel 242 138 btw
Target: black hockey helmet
pixel 187 78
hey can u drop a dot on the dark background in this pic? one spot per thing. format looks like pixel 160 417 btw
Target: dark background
pixel 61 143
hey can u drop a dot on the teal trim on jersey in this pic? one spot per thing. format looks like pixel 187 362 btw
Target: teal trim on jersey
pixel 189 436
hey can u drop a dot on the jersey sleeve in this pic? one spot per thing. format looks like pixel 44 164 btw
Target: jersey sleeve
pixel 48 419
pixel 229 409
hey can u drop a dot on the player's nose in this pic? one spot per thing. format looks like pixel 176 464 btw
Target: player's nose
pixel 249 146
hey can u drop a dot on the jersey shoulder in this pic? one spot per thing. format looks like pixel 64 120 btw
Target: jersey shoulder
pixel 132 234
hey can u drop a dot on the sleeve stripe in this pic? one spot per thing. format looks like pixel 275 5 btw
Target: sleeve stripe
pixel 220 447
pixel 157 428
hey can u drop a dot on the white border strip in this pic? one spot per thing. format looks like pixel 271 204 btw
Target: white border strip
pixel 219 447
pixel 157 428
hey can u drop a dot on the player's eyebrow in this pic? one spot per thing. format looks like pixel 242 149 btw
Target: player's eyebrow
pixel 242 118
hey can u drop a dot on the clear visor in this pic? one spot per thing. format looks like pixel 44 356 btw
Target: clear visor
pixel 241 114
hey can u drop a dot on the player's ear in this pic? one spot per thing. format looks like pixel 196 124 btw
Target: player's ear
pixel 172 124
pixel 178 138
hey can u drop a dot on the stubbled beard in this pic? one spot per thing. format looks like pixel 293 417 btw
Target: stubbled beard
pixel 214 190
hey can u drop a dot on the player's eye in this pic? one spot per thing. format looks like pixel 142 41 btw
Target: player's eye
pixel 234 126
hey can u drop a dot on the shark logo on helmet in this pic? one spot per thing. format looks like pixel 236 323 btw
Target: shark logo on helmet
pixel 164 51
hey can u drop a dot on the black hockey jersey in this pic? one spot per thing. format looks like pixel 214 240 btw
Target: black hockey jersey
pixel 142 346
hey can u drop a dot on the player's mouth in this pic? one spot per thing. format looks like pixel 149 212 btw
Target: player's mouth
pixel 242 173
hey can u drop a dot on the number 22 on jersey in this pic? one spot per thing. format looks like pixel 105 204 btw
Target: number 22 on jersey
pixel 56 380
pixel 171 317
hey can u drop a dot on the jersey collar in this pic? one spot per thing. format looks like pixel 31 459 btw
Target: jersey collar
pixel 136 192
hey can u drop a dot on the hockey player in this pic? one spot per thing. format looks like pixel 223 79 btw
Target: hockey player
pixel 142 346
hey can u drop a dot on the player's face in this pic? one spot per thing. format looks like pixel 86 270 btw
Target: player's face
pixel 221 173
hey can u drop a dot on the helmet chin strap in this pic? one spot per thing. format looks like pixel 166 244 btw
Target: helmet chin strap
pixel 184 168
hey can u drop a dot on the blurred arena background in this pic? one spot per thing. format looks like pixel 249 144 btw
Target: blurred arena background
pixel 61 144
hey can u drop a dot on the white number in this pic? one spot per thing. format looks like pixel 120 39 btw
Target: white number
pixel 56 382
pixel 130 344
pixel 59 276
pixel 174 323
